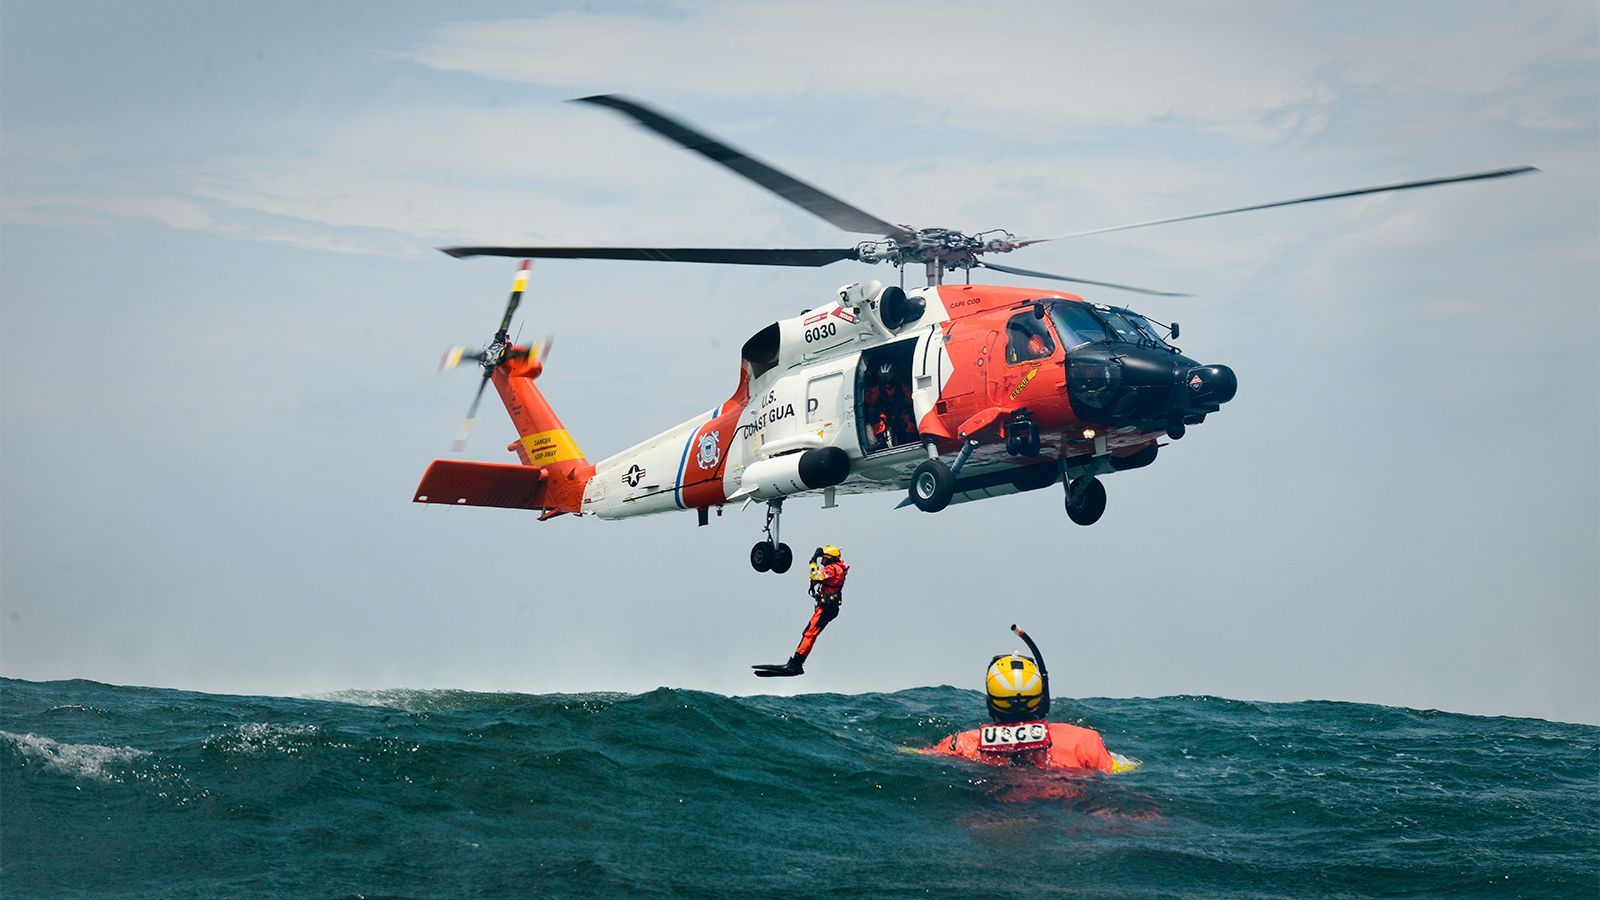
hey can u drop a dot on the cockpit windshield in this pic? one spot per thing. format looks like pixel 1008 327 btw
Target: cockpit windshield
pixel 1076 325
pixel 1122 327
pixel 1141 325
pixel 1079 324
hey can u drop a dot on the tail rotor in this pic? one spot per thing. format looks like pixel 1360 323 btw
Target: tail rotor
pixel 495 353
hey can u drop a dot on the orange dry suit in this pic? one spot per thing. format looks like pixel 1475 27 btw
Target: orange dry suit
pixel 1071 747
pixel 827 588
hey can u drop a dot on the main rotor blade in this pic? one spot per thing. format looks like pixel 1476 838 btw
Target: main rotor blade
pixel 811 199
pixel 1105 284
pixel 472 414
pixel 738 256
pixel 1380 189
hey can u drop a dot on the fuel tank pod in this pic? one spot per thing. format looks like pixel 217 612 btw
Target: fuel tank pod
pixel 780 476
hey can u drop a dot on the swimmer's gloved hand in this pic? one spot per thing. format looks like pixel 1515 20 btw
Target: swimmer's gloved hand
pixel 815 570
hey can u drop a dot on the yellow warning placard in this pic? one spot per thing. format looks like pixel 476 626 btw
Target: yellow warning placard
pixel 548 447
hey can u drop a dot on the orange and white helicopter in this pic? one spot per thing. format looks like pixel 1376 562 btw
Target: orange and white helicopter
pixel 949 392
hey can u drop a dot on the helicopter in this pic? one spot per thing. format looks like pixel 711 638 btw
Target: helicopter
pixel 949 393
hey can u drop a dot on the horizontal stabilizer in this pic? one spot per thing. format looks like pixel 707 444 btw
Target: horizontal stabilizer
pixel 460 483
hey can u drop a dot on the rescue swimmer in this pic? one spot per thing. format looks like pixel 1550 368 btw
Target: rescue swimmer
pixel 1017 693
pixel 827 571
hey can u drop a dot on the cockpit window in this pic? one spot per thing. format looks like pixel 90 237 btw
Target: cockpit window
pixel 1131 327
pixel 1027 337
pixel 1121 328
pixel 1077 325
pixel 1143 324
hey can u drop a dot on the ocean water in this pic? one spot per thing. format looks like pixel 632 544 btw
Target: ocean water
pixel 135 791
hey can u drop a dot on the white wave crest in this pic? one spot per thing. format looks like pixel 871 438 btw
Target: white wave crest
pixel 77 760
pixel 406 699
pixel 261 737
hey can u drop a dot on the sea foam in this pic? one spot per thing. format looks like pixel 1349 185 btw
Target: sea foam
pixel 77 760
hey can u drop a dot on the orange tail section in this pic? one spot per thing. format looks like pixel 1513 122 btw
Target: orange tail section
pixel 553 472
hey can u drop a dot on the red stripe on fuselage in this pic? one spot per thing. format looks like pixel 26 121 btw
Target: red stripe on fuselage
pixel 701 477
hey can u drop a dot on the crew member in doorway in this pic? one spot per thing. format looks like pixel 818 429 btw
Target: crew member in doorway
pixel 828 572
pixel 1017 693
pixel 896 407
pixel 887 407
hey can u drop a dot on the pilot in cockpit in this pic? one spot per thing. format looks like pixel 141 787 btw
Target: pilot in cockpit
pixel 1027 338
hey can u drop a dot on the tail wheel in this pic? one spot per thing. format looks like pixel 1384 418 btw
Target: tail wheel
pixel 782 559
pixel 762 556
pixel 1091 503
pixel 931 486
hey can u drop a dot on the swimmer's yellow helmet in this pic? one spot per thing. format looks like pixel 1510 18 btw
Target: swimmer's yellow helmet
pixel 1014 689
pixel 832 552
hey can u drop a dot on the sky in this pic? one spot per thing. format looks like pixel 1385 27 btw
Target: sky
pixel 221 310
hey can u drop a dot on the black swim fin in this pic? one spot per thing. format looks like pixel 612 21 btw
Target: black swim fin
pixel 795 666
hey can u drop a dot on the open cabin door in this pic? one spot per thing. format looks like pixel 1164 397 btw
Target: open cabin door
pixel 885 416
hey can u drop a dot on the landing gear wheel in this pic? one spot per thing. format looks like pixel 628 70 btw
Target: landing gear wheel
pixel 1091 504
pixel 782 559
pixel 931 486
pixel 761 556
pixel 1176 429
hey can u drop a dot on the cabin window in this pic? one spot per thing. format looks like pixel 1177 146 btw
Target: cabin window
pixel 1028 338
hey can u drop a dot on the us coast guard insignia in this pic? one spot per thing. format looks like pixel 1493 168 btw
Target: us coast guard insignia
pixel 710 449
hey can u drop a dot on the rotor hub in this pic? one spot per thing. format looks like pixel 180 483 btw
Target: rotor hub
pixel 949 248
pixel 494 354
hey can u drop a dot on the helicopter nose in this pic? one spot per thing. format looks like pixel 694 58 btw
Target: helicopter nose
pixel 1211 384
